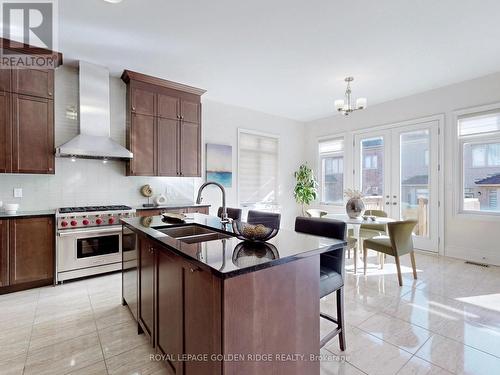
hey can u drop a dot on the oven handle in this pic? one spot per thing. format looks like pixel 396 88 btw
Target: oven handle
pixel 87 231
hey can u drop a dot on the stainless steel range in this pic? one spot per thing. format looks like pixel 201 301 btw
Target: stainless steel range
pixel 89 240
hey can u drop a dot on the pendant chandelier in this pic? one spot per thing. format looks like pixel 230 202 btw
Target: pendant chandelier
pixel 346 105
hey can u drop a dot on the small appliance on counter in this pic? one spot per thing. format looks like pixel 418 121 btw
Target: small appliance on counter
pixel 10 208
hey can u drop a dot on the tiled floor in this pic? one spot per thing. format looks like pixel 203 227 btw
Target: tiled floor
pixel 448 321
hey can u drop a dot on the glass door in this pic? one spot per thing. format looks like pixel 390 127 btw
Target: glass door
pixel 396 170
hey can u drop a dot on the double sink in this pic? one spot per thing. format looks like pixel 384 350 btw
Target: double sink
pixel 192 233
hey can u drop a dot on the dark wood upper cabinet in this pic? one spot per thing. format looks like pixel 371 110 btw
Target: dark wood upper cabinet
pixel 4 253
pixel 143 101
pixel 177 138
pixel 32 135
pixel 31 250
pixel 168 107
pixel 168 141
pixel 5 132
pixel 169 299
pixel 190 157
pixel 5 80
pixel 190 111
pixel 34 82
pixel 142 140
pixel 146 287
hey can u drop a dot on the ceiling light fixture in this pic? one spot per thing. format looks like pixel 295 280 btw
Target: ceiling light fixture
pixel 345 105
pixel 113 1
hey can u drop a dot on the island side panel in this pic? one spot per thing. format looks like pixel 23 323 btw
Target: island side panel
pixel 273 311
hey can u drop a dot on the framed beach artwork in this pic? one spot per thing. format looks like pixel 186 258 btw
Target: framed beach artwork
pixel 219 164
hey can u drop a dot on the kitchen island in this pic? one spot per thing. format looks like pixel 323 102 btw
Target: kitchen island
pixel 213 304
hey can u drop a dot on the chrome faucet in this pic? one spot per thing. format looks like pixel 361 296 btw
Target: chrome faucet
pixel 224 219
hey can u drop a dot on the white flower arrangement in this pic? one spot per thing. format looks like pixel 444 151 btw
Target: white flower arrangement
pixel 352 193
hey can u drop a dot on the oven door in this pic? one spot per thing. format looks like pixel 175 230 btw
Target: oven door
pixel 83 248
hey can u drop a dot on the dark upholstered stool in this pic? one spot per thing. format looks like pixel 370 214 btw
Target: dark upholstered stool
pixel 331 277
pixel 233 213
pixel 268 219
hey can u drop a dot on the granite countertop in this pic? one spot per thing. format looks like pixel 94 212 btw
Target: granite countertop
pixel 172 205
pixel 232 257
pixel 21 214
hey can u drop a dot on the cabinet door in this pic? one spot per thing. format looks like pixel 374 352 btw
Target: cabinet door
pixel 31 250
pixel 168 153
pixel 190 152
pixel 190 111
pixel 169 332
pixel 5 83
pixel 143 101
pixel 143 145
pixel 200 210
pixel 5 133
pixel 202 319
pixel 4 253
pixel 35 82
pixel 168 107
pixel 33 135
pixel 146 286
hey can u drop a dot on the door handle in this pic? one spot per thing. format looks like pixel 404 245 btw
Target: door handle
pixel 395 203
pixel 387 203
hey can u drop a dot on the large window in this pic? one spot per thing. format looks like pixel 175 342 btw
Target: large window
pixel 479 137
pixel 331 164
pixel 258 169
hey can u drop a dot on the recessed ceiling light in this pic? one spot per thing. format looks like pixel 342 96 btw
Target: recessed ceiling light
pixel 113 1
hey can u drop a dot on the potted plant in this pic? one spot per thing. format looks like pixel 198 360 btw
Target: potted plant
pixel 355 206
pixel 305 190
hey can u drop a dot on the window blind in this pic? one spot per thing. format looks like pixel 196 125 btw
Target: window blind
pixel 258 169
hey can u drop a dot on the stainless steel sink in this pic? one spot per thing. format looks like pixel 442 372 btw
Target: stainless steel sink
pixel 193 233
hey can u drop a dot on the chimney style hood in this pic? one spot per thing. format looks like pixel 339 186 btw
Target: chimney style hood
pixel 94 140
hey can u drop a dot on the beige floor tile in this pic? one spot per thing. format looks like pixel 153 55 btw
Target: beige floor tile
pixel 62 309
pixel 62 358
pixel 135 362
pixel 371 354
pixel 334 366
pixel 396 332
pixel 95 369
pixel 14 342
pixel 12 365
pixel 458 358
pixel 52 332
pixel 417 366
pixel 112 315
pixel 120 338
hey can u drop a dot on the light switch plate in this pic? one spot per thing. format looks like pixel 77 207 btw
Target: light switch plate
pixel 18 192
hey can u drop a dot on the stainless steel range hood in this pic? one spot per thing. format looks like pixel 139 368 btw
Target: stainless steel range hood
pixel 94 140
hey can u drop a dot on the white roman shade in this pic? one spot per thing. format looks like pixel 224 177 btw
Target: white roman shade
pixel 258 168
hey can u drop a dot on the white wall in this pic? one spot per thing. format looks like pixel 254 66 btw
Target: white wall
pixel 87 182
pixel 464 237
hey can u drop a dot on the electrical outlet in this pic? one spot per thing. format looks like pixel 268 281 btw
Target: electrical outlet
pixel 18 192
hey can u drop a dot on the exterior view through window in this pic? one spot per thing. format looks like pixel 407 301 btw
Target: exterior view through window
pixel 331 166
pixel 479 137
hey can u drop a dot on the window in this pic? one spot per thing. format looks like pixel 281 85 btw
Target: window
pixel 258 169
pixel 371 162
pixel 331 165
pixel 479 137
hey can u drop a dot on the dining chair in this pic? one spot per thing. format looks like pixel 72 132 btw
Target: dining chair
pixel 313 212
pixel 268 219
pixel 233 213
pixel 332 269
pixel 399 242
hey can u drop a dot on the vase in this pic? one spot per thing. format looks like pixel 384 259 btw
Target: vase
pixel 354 208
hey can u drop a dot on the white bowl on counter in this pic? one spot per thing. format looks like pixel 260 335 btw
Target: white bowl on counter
pixel 10 208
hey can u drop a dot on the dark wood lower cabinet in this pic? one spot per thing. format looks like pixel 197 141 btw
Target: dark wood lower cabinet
pixel 4 253
pixel 27 253
pixel 146 287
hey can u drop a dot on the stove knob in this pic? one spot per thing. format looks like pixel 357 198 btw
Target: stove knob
pixel 98 221
pixel 74 223
pixel 64 224
pixel 111 220
pixel 85 222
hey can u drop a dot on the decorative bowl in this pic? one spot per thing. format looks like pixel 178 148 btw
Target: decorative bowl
pixel 248 254
pixel 250 232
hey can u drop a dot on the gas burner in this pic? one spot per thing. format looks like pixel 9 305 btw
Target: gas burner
pixel 69 210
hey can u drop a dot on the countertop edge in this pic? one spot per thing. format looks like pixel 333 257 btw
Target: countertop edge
pixel 27 214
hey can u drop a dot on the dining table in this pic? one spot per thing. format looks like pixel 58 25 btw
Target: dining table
pixel 355 224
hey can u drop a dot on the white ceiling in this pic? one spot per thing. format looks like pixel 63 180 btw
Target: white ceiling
pixel 289 57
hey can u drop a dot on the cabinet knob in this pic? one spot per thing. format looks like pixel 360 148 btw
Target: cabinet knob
pixel 50 94
pixel 193 270
pixel 133 108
